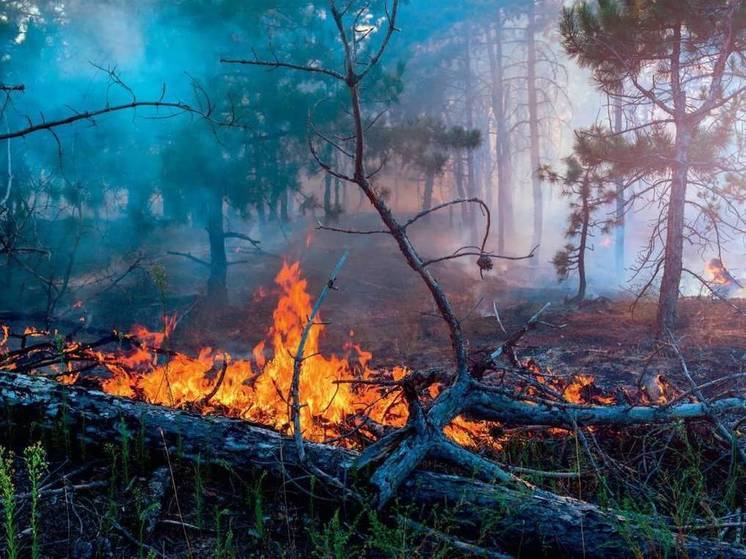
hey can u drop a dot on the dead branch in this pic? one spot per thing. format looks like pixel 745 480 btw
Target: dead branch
pixel 89 115
pixel 706 404
pixel 189 256
pixel 294 397
pixel 234 235
pixel 218 383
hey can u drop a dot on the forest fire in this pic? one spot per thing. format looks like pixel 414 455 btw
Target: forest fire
pixel 537 213
pixel 257 389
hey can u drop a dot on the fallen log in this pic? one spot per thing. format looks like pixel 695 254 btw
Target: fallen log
pixel 529 521
pixel 490 406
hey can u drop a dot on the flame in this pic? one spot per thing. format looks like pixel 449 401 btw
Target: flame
pixel 583 390
pixel 717 273
pixel 34 332
pixel 656 389
pixel 258 389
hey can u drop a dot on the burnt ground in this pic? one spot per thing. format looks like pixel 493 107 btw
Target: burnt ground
pixel 223 515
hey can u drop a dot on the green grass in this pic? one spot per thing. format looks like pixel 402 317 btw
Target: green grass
pixel 36 466
pixel 8 500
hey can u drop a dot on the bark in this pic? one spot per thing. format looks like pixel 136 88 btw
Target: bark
pixel 502 142
pixel 583 245
pixel 619 213
pixel 494 407
pixel 672 259
pixel 533 124
pixel 672 263
pixel 528 521
pixel 217 282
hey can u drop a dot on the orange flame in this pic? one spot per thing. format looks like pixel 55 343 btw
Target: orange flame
pixel 583 390
pixel 717 273
pixel 258 389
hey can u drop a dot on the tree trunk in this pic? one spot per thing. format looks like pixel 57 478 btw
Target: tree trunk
pixel 471 178
pixel 217 289
pixel 327 195
pixel 502 141
pixel 427 196
pixel 531 522
pixel 673 255
pixel 458 173
pixel 486 164
pixel 619 214
pixel 533 123
pixel 674 250
pixel 583 245
pixel 284 206
pixel 274 214
pixel 261 212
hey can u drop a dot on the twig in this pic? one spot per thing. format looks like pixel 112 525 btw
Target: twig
pixel 510 342
pixel 176 494
pixel 727 433
pixel 218 383
pixel 298 359
pixel 465 547
pixel 497 317
pixel 189 256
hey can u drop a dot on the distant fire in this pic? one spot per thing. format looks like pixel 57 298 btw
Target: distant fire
pixel 720 279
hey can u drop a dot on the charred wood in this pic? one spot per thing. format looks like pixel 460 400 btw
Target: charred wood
pixel 521 519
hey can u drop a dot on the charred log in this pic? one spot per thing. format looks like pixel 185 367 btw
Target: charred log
pixel 526 520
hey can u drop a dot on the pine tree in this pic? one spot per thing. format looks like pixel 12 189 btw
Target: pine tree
pixel 589 187
pixel 679 61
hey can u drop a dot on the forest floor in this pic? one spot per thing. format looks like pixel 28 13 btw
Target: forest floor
pixel 120 501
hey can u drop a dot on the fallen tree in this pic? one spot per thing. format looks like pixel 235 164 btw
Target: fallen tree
pixel 518 518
